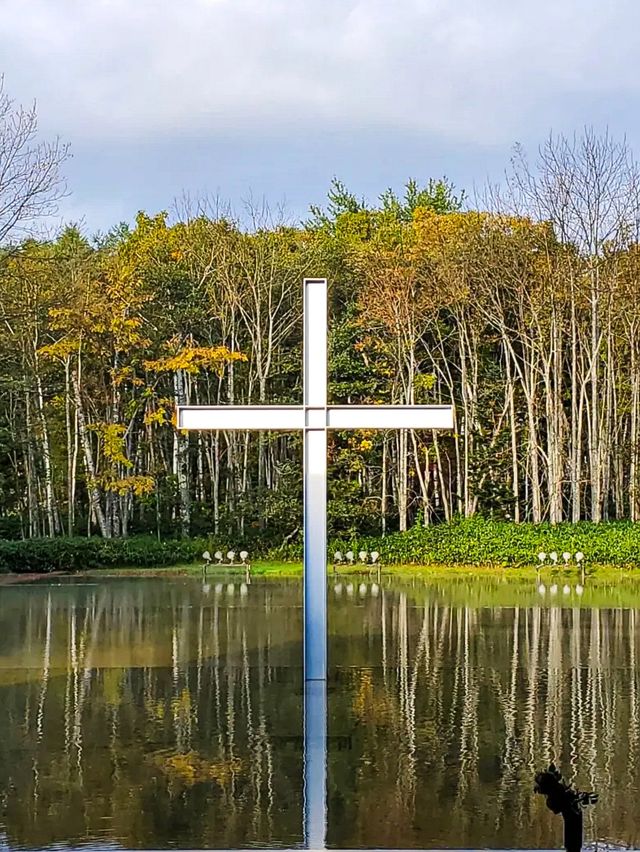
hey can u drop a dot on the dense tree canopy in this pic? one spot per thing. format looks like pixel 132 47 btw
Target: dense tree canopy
pixel 524 315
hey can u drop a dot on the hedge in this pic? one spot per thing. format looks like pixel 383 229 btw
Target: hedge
pixel 76 554
pixel 463 542
pixel 500 543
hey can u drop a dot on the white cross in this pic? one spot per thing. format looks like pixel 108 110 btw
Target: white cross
pixel 314 417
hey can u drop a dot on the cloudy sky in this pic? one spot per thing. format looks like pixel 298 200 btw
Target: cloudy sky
pixel 271 98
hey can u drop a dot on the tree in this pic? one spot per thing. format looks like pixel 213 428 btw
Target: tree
pixel 30 180
pixel 588 187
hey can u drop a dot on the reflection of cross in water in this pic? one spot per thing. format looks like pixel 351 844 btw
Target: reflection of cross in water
pixel 314 417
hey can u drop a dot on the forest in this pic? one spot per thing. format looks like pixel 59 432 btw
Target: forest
pixel 520 309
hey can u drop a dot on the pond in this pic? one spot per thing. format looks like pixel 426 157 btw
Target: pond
pixel 167 712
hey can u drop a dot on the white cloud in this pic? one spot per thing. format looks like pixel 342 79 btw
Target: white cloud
pixel 125 70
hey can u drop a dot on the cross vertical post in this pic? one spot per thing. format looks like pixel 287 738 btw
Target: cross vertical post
pixel 315 561
pixel 315 479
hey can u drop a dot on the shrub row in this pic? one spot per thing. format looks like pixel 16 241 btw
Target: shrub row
pixel 76 554
pixel 464 542
pixel 499 543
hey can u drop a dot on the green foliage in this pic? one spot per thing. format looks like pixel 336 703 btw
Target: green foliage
pixel 438 196
pixel 482 542
pixel 463 542
pixel 339 200
pixel 428 304
pixel 77 554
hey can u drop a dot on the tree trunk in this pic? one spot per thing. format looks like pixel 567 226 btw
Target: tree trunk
pixel 576 418
pixel 402 480
pixel 447 499
pixel 383 494
pixel 533 445
pixel 423 478
pixel 594 404
pixel 72 449
pixel 30 470
pixel 90 471
pixel 515 480
pixel 50 503
pixel 181 459
pixel 634 434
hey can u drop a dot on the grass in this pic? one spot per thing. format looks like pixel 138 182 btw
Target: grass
pixel 458 585
pixel 604 573
pixel 258 569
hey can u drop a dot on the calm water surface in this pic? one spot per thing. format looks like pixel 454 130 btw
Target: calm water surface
pixel 155 713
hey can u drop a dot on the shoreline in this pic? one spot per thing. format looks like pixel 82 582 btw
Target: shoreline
pixel 597 573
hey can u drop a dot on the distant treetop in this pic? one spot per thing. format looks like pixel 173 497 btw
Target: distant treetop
pixel 437 195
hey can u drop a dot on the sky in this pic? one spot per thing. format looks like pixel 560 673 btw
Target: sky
pixel 270 99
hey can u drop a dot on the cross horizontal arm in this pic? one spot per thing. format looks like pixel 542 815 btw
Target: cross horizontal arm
pixel 260 417
pixel 296 417
pixel 390 417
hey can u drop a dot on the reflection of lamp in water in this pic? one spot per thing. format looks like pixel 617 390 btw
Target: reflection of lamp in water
pixel 553 589
pixel 362 590
pixel 375 589
pixel 562 798
pixel 375 563
pixel 338 589
pixel 542 588
pixel 350 589
pixel 566 590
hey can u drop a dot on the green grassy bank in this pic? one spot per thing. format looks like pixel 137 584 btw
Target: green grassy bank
pixel 471 544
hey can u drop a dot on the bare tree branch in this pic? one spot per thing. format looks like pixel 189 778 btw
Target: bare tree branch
pixel 31 184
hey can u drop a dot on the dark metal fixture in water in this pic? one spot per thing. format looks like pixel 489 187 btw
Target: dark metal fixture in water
pixel 563 799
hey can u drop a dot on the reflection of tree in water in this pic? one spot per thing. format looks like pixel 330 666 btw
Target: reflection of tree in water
pixel 447 737
pixel 150 713
pixel 147 715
